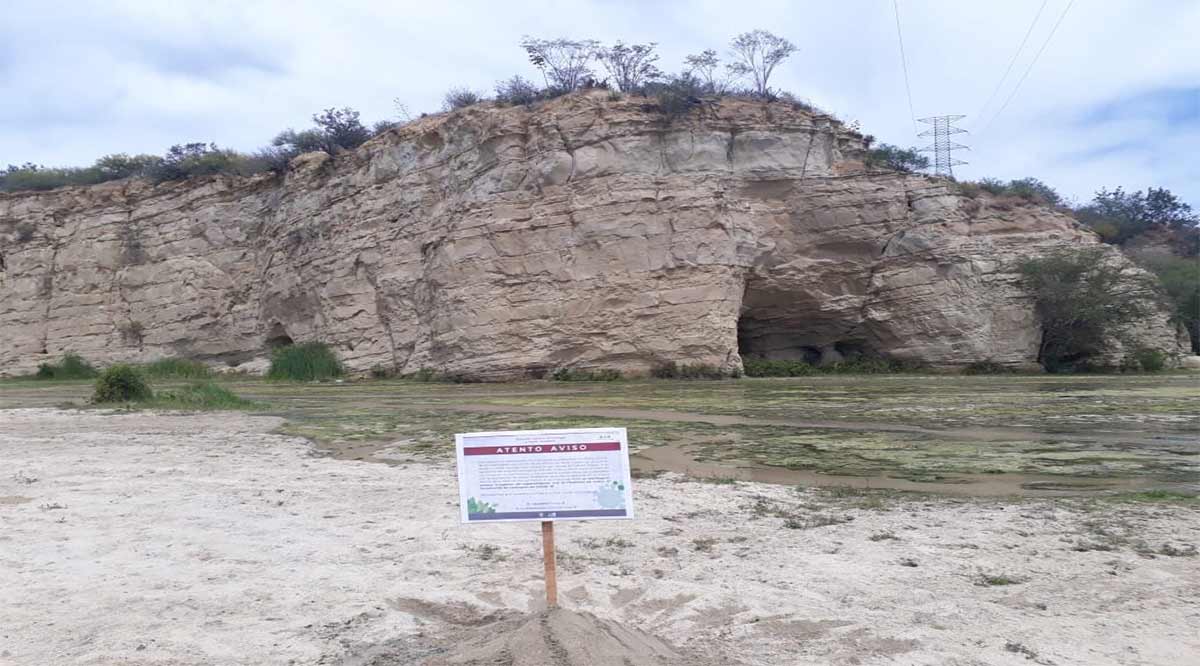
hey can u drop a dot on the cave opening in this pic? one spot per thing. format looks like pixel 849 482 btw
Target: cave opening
pixel 777 325
pixel 278 337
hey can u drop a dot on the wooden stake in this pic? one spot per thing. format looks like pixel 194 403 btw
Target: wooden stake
pixel 548 560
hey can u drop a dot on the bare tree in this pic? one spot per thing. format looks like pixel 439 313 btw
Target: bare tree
pixel 565 63
pixel 704 68
pixel 630 66
pixel 756 54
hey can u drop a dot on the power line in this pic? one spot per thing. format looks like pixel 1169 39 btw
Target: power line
pixel 1032 63
pixel 1013 60
pixel 904 62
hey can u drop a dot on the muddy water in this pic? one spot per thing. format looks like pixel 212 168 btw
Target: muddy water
pixel 677 459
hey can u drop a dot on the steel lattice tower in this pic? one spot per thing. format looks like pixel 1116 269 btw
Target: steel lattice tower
pixel 942 147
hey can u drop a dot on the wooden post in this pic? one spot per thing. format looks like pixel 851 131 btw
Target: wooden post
pixel 548 561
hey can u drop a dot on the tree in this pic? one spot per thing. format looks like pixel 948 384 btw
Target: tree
pixel 516 90
pixel 342 127
pixel 1180 279
pixel 1119 216
pixel 704 68
pixel 120 165
pixel 1082 300
pixel 894 157
pixel 756 54
pixel 565 63
pixel 630 66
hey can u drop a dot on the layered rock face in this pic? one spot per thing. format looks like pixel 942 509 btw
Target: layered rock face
pixel 499 243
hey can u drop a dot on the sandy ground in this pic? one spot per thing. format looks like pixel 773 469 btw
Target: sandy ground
pixel 204 539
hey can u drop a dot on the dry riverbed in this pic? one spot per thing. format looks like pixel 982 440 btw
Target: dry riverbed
pixel 136 538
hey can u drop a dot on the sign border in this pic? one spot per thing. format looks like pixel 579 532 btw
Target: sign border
pixel 461 473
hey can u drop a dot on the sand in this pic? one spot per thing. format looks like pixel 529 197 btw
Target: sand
pixel 205 539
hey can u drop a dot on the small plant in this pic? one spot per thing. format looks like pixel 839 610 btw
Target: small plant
pixel 486 552
pixel 177 368
pixel 121 383
pixel 814 521
pixel 995 580
pixel 703 545
pixel 884 536
pixel 517 91
pixel 311 361
pixel 1020 649
pixel 72 366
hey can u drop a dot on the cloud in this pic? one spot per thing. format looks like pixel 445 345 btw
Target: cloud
pixel 1111 101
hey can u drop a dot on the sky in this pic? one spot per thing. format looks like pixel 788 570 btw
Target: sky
pixel 1113 99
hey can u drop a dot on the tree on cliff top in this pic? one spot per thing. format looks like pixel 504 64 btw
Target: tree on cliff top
pixel 630 66
pixel 565 63
pixel 756 54
pixel 894 157
pixel 1118 215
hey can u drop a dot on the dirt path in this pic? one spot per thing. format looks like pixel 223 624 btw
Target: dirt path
pixel 203 539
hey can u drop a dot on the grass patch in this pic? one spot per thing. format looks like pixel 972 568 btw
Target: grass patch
pixel 814 521
pixel 600 375
pixel 311 361
pixel 1163 496
pixel 72 366
pixel 862 365
pixel 180 368
pixel 200 396
pixel 675 370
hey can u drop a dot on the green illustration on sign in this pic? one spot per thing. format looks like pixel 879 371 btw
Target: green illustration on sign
pixel 611 495
pixel 477 506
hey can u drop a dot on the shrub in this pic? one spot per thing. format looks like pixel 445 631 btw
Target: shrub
pixel 460 98
pixel 72 366
pixel 310 361
pixel 201 395
pixel 761 367
pixel 516 91
pixel 195 159
pixel 177 367
pixel 342 128
pixel 887 156
pixel 1150 360
pixel 1081 300
pixel 677 96
pixel 867 365
pixel 121 383
pixel 601 375
pixel 675 370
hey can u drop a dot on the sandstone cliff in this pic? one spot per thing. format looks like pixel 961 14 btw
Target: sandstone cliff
pixel 506 242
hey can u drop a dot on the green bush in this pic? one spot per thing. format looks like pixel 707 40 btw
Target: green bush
pixel 201 395
pixel 310 361
pixel 686 371
pixel 761 367
pixel 177 367
pixel 601 375
pixel 867 365
pixel 896 158
pixel 1180 278
pixel 72 366
pixel 121 383
pixel 1150 360
pixel 460 98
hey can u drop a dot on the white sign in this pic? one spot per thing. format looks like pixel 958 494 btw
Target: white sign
pixel 575 474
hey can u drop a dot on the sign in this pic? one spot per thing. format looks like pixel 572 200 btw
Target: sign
pixel 574 474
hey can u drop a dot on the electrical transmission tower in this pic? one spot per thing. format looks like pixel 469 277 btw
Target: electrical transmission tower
pixel 942 147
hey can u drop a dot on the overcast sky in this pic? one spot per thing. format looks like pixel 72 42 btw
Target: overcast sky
pixel 1113 100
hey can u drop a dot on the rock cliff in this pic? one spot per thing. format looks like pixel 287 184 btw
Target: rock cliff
pixel 505 242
